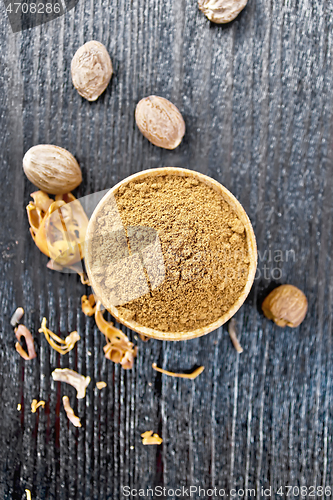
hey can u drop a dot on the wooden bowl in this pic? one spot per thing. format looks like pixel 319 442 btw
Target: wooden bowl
pixel 251 241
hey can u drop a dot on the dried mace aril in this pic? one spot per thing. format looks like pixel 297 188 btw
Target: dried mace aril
pixel 160 122
pixel 18 314
pixel 286 305
pixel 70 412
pixel 78 381
pixel 22 331
pixel 88 305
pixel 233 335
pixel 149 438
pixel 118 347
pixel 58 227
pixel 190 376
pixel 36 404
pixel 101 385
pixel 221 11
pixel 91 70
pixel 57 343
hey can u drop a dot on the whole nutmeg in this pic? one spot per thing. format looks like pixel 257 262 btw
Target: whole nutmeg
pixel 91 70
pixel 160 122
pixel 286 305
pixel 221 11
pixel 52 169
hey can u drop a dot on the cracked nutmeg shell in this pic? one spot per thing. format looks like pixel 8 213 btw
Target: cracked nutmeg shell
pixel 91 70
pixel 160 122
pixel 286 305
pixel 52 169
pixel 221 11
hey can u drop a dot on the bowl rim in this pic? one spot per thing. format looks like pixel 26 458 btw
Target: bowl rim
pixel 251 241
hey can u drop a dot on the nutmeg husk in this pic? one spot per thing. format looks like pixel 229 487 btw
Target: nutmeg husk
pixel 286 305
pixel 58 227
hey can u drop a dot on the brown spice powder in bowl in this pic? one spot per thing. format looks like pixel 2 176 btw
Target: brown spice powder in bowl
pixel 170 253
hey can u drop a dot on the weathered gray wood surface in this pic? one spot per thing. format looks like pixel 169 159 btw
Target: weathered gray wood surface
pixel 257 99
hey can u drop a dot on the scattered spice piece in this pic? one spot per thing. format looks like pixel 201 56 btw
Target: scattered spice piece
pixel 19 407
pixel 128 359
pixel 35 405
pixel 191 376
pixel 149 438
pixel 18 314
pixel 22 331
pixel 233 335
pixel 70 412
pixel 88 305
pixel 76 268
pixel 28 493
pixel 101 385
pixel 73 378
pixel 58 227
pixel 84 279
pixel 65 345
pixel 118 348
pixel 143 337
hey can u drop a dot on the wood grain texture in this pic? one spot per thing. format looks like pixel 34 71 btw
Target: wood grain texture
pixel 257 99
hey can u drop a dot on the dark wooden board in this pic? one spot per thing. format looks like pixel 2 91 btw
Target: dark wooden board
pixel 257 98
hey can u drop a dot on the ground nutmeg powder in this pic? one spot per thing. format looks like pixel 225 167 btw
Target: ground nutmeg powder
pixel 203 245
